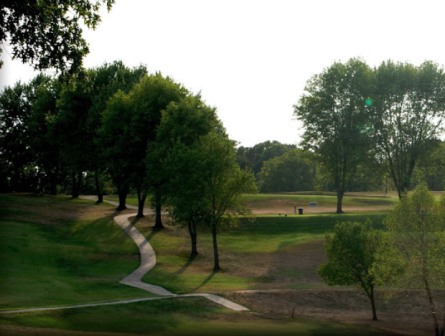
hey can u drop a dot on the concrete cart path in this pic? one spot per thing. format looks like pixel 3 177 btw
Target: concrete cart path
pixel 148 261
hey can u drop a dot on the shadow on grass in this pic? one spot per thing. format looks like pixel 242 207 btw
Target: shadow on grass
pixel 183 268
pixel 205 281
pixel 152 234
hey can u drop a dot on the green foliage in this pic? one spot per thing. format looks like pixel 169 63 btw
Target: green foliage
pixel 206 177
pixel 430 169
pixel 47 33
pixel 206 183
pixel 182 122
pixel 288 172
pixel 252 158
pixel 337 121
pixel 409 107
pixel 414 254
pixel 27 144
pixel 81 105
pixel 15 109
pixel 352 253
pixel 129 126
pixel 415 241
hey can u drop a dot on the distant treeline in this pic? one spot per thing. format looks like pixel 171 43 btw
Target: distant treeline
pixel 285 168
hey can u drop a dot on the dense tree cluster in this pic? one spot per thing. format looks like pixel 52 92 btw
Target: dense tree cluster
pixel 355 116
pixel 118 127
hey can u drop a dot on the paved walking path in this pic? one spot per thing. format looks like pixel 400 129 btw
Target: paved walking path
pixel 148 261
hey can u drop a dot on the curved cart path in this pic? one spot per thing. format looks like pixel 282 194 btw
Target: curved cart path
pixel 148 261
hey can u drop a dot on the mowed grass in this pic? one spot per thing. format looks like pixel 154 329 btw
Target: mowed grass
pixel 284 203
pixel 64 252
pixel 327 202
pixel 268 252
pixel 178 316
pixel 57 251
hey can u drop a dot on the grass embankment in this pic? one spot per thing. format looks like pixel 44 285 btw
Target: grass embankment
pixel 61 252
pixel 57 251
pixel 180 316
pixel 271 252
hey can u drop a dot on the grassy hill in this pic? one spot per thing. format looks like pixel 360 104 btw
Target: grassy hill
pixel 56 251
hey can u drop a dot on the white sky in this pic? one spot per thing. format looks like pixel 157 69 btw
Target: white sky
pixel 252 58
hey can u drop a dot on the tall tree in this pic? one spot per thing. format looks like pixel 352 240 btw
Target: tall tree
pixel 207 184
pixel 81 105
pixel 47 33
pixel 409 105
pixel 15 109
pixel 26 144
pixel 129 125
pixel 43 137
pixel 183 122
pixel 414 254
pixel 337 120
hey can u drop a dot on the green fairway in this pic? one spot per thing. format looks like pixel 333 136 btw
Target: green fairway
pixel 327 202
pixel 324 199
pixel 180 316
pixel 56 251
pixel 253 256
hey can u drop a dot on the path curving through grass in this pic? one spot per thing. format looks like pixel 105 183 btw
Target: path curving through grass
pixel 148 261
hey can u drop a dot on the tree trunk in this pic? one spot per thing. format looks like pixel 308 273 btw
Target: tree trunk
pixel 371 297
pixel 122 198
pixel 433 310
pixel 193 235
pixel 79 183
pixel 340 194
pixel 53 181
pixel 141 201
pixel 100 196
pixel 158 210
pixel 75 186
pixel 158 218
pixel 442 333
pixel 215 250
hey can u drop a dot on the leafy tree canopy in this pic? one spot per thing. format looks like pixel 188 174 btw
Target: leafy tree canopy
pixel 253 157
pixel 414 255
pixel 409 108
pixel 352 252
pixel 47 33
pixel 337 120
pixel 288 172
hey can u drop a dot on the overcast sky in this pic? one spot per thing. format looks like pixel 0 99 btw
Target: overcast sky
pixel 252 58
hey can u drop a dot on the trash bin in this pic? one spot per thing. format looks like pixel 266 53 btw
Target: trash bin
pixel 300 211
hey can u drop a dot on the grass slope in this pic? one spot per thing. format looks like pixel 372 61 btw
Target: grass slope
pixel 180 316
pixel 56 251
pixel 269 252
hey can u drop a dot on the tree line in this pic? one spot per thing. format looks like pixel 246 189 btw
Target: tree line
pixel 356 116
pixel 126 129
pixel 281 167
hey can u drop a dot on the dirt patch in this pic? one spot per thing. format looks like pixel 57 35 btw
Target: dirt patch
pixel 406 313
